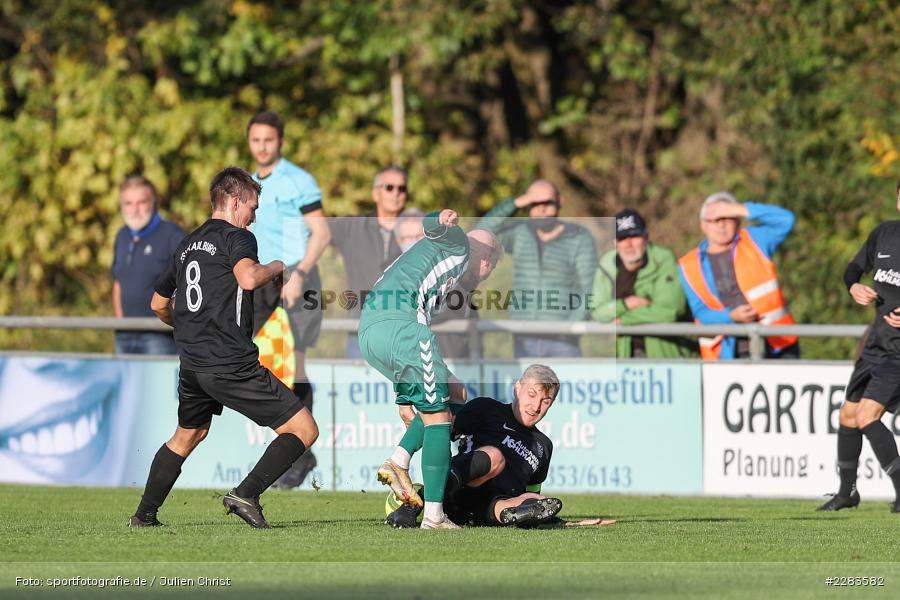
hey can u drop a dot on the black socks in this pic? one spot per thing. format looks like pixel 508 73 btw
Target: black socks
pixel 467 467
pixel 280 454
pixel 849 446
pixel 885 449
pixel 164 470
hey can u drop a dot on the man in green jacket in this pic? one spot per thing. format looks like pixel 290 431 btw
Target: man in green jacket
pixel 638 283
pixel 553 268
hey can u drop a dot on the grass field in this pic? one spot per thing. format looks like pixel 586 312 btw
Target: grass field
pixel 333 545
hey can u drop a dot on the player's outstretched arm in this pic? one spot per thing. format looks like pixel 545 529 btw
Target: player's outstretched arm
pixel 251 275
pixel 162 306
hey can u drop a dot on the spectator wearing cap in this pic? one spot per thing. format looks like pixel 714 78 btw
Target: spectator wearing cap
pixel 637 283
pixel 730 277
pixel 553 267
pixel 143 249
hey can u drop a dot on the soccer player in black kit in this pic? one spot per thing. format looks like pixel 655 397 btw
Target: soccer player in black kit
pixel 502 460
pixel 875 383
pixel 206 294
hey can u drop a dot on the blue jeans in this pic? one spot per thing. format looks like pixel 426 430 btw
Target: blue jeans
pixel 546 346
pixel 144 342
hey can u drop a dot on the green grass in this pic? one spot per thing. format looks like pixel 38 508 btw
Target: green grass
pixel 334 545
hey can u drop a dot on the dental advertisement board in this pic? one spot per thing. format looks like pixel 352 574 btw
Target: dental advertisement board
pixel 99 421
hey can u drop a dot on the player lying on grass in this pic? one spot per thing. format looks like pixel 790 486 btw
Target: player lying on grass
pixel 211 279
pixel 395 338
pixel 502 462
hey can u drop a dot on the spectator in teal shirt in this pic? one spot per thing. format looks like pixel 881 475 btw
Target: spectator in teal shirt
pixel 553 267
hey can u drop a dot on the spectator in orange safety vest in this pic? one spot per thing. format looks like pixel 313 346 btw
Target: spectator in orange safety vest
pixel 730 277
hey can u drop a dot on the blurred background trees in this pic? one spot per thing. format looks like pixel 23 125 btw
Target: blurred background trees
pixel 650 104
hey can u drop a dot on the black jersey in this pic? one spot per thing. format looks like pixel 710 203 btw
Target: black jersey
pixel 526 450
pixel 881 256
pixel 213 315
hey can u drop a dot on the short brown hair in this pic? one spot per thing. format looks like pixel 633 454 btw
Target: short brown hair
pixel 231 182
pixel 270 118
pixel 139 181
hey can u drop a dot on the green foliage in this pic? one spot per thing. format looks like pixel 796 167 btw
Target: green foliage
pixel 648 104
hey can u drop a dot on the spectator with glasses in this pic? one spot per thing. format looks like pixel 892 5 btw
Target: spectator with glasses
pixel 368 244
pixel 143 248
pixel 730 277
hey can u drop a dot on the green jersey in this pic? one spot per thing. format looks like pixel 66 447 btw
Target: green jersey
pixel 417 282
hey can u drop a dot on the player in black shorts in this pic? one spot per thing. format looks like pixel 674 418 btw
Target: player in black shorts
pixel 497 474
pixel 210 280
pixel 875 383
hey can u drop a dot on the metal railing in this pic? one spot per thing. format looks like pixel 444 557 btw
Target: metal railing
pixel 475 328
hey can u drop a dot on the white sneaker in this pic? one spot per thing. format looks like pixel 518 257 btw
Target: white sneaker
pixel 444 523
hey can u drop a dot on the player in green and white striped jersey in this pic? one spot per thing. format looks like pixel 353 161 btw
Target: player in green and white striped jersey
pixel 395 338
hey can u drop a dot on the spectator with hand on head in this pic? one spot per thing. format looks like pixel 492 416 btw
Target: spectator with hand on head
pixel 553 267
pixel 730 277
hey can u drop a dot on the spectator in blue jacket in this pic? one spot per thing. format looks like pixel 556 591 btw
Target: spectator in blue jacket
pixel 143 248
pixel 730 277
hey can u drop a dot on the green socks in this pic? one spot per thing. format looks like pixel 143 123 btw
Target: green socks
pixel 435 460
pixel 414 437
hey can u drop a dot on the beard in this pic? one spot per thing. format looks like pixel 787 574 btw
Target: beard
pixel 262 161
pixel 139 222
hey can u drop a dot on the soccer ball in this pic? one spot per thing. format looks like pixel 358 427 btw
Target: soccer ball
pixel 348 299
pixel 391 503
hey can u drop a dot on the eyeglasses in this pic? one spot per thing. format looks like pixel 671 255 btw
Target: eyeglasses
pixel 390 187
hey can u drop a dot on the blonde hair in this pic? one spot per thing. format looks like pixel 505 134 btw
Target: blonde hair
pixel 543 375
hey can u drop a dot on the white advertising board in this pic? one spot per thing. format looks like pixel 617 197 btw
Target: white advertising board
pixel 771 430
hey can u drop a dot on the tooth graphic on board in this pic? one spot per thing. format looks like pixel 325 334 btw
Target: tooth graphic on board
pixel 14 444
pixel 82 432
pixel 63 438
pixel 44 441
pixel 29 443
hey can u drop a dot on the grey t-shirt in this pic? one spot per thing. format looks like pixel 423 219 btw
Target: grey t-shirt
pixel 726 282
pixel 729 293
